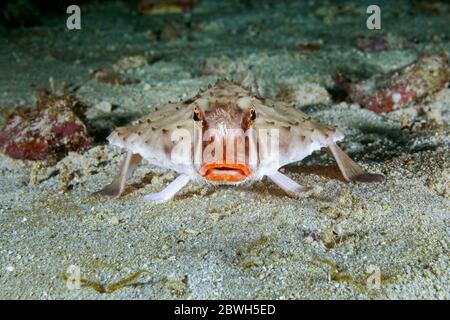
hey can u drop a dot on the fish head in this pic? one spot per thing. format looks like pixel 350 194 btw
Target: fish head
pixel 224 143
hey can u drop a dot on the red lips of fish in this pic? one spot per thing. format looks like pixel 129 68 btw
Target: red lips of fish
pixel 225 172
pixel 229 169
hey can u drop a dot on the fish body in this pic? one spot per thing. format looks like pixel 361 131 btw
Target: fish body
pixel 226 134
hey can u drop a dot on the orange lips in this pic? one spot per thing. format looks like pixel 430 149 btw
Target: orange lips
pixel 225 172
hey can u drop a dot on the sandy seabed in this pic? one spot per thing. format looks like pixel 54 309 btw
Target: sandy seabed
pixel 250 242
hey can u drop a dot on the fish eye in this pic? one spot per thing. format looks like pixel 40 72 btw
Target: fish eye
pixel 197 116
pixel 252 114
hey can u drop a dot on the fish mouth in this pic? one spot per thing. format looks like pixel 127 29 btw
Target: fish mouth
pixel 225 172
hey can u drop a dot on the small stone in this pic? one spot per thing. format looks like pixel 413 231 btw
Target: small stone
pixel 104 106
pixel 130 62
pixel 192 232
pixel 114 220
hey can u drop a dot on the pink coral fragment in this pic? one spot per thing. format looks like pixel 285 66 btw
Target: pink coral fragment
pixel 45 133
pixel 397 89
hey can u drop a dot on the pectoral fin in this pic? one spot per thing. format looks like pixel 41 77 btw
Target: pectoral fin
pixel 117 186
pixel 170 191
pixel 288 185
pixel 351 170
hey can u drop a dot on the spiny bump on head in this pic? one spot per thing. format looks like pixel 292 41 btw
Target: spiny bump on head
pixel 189 100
